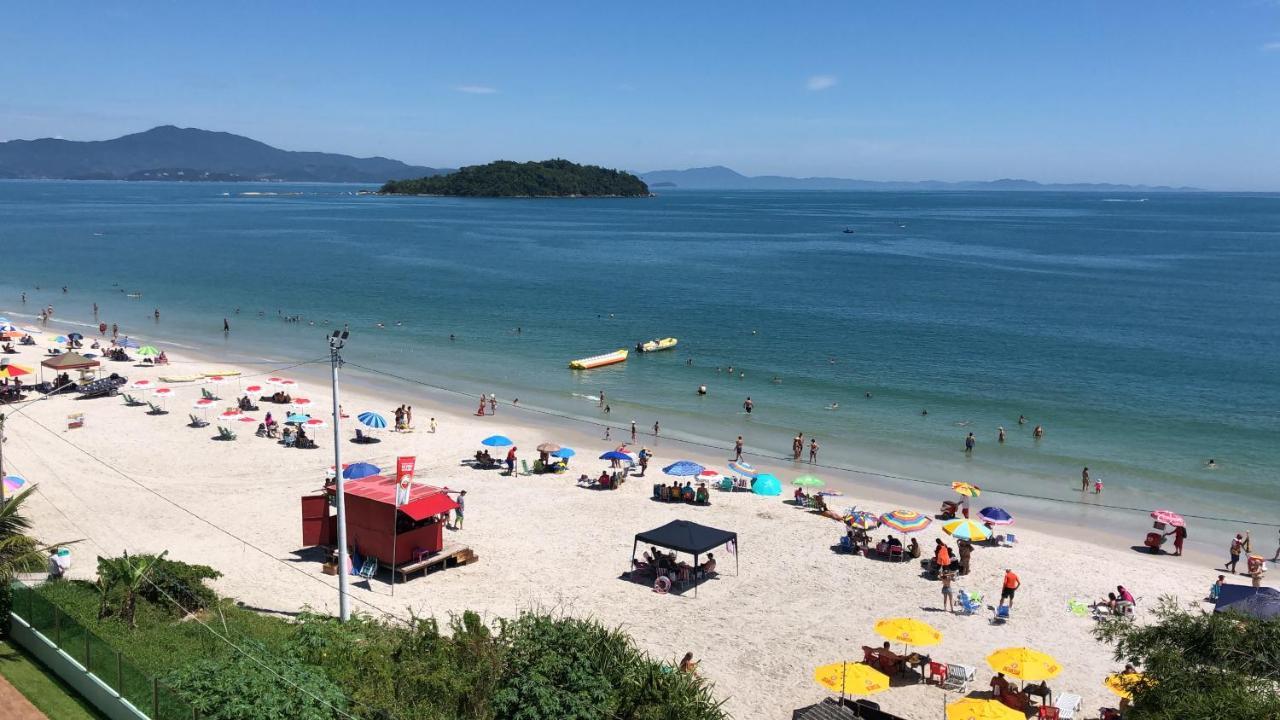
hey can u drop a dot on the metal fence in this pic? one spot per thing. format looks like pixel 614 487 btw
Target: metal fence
pixel 147 694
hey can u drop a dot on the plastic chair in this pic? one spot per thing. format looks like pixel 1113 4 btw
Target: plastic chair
pixel 846 545
pixel 1001 615
pixel 936 672
pixel 1067 705
pixel 1008 539
pixel 1048 713
pixel 969 604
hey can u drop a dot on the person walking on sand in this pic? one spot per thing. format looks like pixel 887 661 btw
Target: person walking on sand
pixel 1010 586
pixel 408 417
pixel 737 455
pixel 1237 544
pixel 969 442
pixel 633 431
pixel 458 513
pixel 511 460
pixel 964 548
pixel 948 604
pixel 1084 480
pixel 433 425
pixel 606 432
pixel 813 450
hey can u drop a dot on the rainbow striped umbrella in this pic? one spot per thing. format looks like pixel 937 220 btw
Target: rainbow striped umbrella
pixel 863 519
pixel 905 521
pixel 13 482
pixel 966 489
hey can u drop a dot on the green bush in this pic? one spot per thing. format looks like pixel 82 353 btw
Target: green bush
pixel 240 688
pixel 181 581
pixel 6 604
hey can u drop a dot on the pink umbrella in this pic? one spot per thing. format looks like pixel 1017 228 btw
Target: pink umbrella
pixel 1168 517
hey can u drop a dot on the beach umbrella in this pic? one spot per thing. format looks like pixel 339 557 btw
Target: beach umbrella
pixel 302 402
pixel 355 471
pixel 11 370
pixel 564 452
pixel 13 483
pixel 1121 683
pixel 683 468
pixel 230 413
pixel 296 418
pixel 60 339
pixel 286 384
pixel 862 519
pixel 908 631
pixel 966 530
pixel 128 343
pixel 851 678
pixel 766 484
pixel 143 384
pixel 995 516
pixel 743 468
pixel 372 420
pixel 247 419
pixel 809 481
pixel 497 441
pixel 1168 517
pixel 905 521
pixel 203 404
pixel 617 455
pixel 1262 603
pixel 710 476
pixel 548 447
pixel 148 351
pixel 315 423
pixel 11 334
pixel 972 708
pixel 254 389
pixel 6 326
pixel 164 392
pixel 966 489
pixel 75 336
pixel 1024 663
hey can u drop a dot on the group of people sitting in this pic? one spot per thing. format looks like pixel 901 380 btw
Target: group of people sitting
pixel 675 492
pixel 10 391
pixel 661 563
pixel 118 355
pixel 485 460
pixel 280 397
pixel 607 480
pixel 161 359
pixel 1119 602
pixel 884 659
pixel 268 428
pixel 244 403
pixel 815 501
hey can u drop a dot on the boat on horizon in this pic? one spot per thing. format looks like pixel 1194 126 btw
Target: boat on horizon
pixel 596 361
pixel 655 345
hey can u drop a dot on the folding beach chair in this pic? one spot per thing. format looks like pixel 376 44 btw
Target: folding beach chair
pixel 1067 705
pixel 958 678
pixel 369 568
pixel 969 604
pixel 156 409
pixel 198 422
pixel 1001 615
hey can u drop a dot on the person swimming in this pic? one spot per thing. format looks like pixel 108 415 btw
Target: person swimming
pixel 833 406
pixel 702 389
pixel 1212 465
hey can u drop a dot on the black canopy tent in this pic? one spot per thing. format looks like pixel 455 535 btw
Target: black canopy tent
pixel 688 537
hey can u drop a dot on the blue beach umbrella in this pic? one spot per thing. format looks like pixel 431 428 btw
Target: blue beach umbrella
pixel 497 441
pixel 297 418
pixel 355 471
pixel 766 484
pixel 995 516
pixel 75 336
pixel 616 455
pixel 61 339
pixel 372 420
pixel 683 468
pixel 129 343
pixel 743 468
pixel 564 452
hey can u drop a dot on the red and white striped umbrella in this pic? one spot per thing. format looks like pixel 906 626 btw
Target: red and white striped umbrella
pixel 164 392
pixel 314 424
pixel 142 385
pixel 203 404
pixel 230 413
pixel 302 402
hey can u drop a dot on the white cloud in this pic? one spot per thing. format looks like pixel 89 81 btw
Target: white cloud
pixel 1271 47
pixel 821 82
pixel 476 89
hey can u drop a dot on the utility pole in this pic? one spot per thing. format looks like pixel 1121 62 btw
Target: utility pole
pixel 336 342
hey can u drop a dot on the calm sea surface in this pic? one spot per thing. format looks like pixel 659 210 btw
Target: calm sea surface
pixel 1142 332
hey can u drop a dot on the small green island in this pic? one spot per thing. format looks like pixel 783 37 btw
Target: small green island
pixel 545 179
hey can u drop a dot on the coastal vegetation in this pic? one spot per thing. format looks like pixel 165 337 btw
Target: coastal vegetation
pixel 229 661
pixel 1199 665
pixel 548 178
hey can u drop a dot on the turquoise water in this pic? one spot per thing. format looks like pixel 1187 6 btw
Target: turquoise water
pixel 1142 332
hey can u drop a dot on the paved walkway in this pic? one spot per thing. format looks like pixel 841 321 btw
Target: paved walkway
pixel 16 706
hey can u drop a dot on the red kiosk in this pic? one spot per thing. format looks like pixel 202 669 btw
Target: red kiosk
pixel 407 538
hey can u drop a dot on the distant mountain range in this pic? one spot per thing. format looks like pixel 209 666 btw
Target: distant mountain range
pixel 173 153
pixel 719 177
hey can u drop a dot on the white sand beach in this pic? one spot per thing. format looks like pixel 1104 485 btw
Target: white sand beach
pixel 129 480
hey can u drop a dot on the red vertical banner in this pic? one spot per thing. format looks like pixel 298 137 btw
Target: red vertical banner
pixel 404 477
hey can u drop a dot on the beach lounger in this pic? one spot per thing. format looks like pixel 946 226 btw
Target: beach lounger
pixel 197 422
pixel 204 393
pixel 1001 615
pixel 156 409
pixel 1067 706
pixel 225 433
pixel 369 568
pixel 958 678
pixel 131 401
pixel 969 604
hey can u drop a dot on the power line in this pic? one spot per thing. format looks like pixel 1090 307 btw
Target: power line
pixel 839 468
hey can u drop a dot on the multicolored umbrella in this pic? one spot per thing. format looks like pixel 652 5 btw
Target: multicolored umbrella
pixel 60 339
pixel 851 678
pixel 1168 517
pixel 683 468
pixel 862 519
pixel 809 481
pixel 966 489
pixel 972 708
pixel 995 516
pixel 497 441
pixel 710 476
pixel 908 630
pixel 905 521
pixel 13 483
pixel 371 420
pixel 744 469
pixel 1024 663
pixel 11 370
pixel 767 485
pixel 966 530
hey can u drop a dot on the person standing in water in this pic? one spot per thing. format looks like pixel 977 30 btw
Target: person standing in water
pixel 602 398
pixel 1000 434
pixel 655 428
pixel 1084 480
pixel 969 443
pixel 1038 432
pixel 226 326
pixel 747 405
pixel 813 450
pixel 1022 419
pixel 633 431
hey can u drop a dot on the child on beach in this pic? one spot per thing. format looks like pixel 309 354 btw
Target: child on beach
pixel 433 424
pixel 1097 486
pixel 1216 590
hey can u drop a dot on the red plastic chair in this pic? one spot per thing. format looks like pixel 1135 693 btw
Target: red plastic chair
pixel 1048 713
pixel 937 671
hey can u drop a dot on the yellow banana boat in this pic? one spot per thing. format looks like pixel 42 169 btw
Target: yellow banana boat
pixel 596 361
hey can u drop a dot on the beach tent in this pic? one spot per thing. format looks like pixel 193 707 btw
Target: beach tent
pixel 68 361
pixel 1262 603
pixel 690 538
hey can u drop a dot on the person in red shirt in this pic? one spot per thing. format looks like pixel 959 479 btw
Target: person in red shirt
pixel 511 461
pixel 1011 585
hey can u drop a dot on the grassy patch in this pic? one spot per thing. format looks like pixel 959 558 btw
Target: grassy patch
pixel 48 693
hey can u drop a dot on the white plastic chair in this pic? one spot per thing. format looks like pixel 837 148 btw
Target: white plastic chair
pixel 1067 705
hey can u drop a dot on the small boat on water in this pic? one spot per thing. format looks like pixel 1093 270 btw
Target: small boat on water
pixel 655 345
pixel 596 361
pixel 849 231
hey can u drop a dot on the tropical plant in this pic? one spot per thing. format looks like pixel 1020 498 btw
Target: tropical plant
pixel 174 581
pixel 1199 665
pixel 252 685
pixel 19 551
pixel 126 575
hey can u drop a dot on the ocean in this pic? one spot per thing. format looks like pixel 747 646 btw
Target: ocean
pixel 1141 331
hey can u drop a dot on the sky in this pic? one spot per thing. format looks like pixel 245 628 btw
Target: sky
pixel 1165 92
